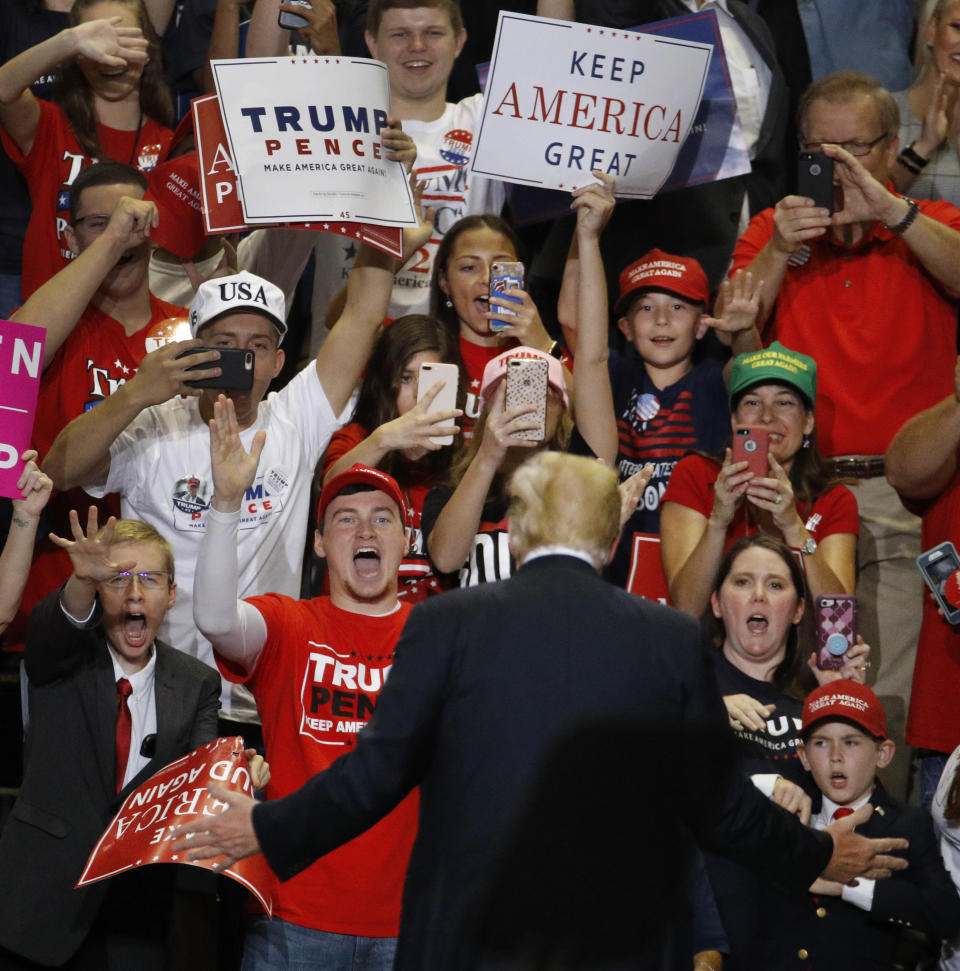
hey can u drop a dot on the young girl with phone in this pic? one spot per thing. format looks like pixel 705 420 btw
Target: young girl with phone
pixel 109 102
pixel 394 432
pixel 460 298
pixel 464 518
pixel 709 504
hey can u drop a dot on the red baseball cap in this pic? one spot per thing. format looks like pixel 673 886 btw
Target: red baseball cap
pixel 657 270
pixel 361 475
pixel 175 188
pixel 849 700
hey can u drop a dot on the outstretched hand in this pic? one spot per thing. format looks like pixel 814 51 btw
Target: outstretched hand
pixel 857 856
pixel 631 492
pixel 90 552
pixel 35 488
pixel 229 834
pixel 233 467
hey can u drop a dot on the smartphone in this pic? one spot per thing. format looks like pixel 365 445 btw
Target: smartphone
pixel 293 21
pixel 751 444
pixel 236 368
pixel 446 400
pixel 836 629
pixel 504 276
pixel 939 568
pixel 527 385
pixel 815 178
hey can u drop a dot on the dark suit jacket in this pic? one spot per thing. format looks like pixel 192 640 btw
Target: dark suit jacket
pixel 68 795
pixel 487 683
pixel 838 935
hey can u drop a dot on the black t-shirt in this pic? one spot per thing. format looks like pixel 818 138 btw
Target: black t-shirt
pixel 20 31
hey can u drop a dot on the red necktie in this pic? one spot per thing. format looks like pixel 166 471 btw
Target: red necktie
pixel 839 812
pixel 124 690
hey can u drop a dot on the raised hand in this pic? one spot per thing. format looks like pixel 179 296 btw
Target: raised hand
pixel 106 42
pixel 414 431
pixel 400 147
pixel 415 237
pixel 130 223
pixel 233 467
pixel 631 492
pixel 594 204
pixel 855 664
pixel 746 712
pixel 34 486
pixel 740 299
pixel 501 424
pixel 775 495
pixel 90 552
pixel 321 29
pixel 795 220
pixel 729 489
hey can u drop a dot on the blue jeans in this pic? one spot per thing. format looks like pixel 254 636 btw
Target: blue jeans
pixel 930 766
pixel 278 945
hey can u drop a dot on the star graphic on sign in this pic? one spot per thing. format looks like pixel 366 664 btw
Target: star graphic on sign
pixel 63 200
pixel 117 364
pixel 343 229
pixel 326 225
pixel 126 370
pixel 475 383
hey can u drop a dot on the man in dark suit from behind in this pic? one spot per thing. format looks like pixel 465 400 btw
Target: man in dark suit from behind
pixel 488 685
pixel 91 657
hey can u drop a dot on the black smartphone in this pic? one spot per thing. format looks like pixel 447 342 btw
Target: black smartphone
pixel 293 21
pixel 815 178
pixel 236 368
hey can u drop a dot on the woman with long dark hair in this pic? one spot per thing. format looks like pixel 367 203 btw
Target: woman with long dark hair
pixel 393 432
pixel 709 503
pixel 109 102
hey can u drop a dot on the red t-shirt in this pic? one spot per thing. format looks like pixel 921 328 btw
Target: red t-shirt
pixel 691 485
pixel 417 579
pixel 54 161
pixel 92 363
pixel 934 718
pixel 874 320
pixel 316 684
pixel 475 358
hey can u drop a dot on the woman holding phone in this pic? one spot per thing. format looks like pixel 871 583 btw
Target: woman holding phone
pixel 393 431
pixel 709 504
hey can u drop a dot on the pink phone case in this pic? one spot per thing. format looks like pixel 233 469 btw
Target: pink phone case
pixel 527 385
pixel 836 629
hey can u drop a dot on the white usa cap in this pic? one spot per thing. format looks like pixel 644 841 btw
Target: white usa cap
pixel 238 293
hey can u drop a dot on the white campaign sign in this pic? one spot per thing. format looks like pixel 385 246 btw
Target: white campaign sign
pixel 304 137
pixel 564 98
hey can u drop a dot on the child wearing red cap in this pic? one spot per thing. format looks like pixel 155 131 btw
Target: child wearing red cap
pixel 860 925
pixel 666 402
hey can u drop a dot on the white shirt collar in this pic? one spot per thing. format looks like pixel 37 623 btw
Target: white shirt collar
pixel 558 549
pixel 139 679
pixel 692 5
pixel 828 807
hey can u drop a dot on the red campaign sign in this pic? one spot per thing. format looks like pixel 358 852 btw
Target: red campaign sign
pixel 646 571
pixel 222 211
pixel 21 364
pixel 142 831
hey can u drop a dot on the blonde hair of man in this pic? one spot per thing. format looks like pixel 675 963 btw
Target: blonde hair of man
pixel 568 500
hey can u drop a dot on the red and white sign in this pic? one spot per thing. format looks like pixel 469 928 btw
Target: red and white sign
pixel 222 211
pixel 646 571
pixel 21 364
pixel 142 831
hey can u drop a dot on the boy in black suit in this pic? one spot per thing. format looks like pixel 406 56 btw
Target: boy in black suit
pixel 861 924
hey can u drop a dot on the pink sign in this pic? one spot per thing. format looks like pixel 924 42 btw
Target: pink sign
pixel 141 832
pixel 21 364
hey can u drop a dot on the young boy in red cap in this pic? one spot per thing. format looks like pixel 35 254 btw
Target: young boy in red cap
pixel 860 925
pixel 666 402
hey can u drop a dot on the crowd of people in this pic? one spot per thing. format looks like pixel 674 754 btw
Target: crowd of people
pixel 515 598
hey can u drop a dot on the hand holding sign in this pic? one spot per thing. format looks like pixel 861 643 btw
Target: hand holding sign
pixel 34 486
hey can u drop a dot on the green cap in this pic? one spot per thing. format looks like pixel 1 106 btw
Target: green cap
pixel 775 364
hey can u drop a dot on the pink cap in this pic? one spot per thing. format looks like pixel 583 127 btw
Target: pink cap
pixel 497 368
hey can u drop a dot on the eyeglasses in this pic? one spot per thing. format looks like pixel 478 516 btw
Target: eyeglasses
pixel 854 148
pixel 96 222
pixel 149 580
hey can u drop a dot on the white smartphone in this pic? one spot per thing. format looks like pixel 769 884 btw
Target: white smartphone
pixel 446 400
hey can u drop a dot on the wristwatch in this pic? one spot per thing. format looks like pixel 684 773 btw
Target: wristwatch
pixel 809 547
